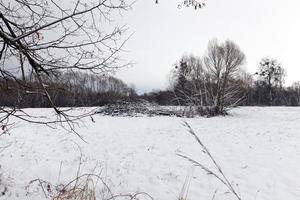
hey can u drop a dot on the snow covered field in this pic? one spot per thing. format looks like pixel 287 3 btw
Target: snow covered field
pixel 257 148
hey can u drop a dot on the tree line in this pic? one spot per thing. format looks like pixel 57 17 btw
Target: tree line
pixel 68 89
pixel 211 83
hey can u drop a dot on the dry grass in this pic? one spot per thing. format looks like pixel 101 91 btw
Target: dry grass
pixel 84 190
pixel 185 187
pixel 85 187
pixel 218 173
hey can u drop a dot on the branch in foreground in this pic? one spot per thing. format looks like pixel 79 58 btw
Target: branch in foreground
pixel 42 37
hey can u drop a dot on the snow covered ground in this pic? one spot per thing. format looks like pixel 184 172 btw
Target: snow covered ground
pixel 257 148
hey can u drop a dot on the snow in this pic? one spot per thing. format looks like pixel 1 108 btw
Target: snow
pixel 258 149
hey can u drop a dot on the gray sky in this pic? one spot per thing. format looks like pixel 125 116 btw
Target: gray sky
pixel 163 33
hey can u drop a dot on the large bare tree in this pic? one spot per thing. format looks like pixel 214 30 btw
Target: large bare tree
pixel 223 62
pixel 215 81
pixel 39 38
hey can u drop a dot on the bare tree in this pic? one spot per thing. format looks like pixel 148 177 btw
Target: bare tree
pixel 223 62
pixel 189 81
pixel 272 73
pixel 41 37
pixel 214 82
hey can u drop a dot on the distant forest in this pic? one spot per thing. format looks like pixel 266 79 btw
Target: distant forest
pixel 71 89
pixel 81 89
pixel 215 81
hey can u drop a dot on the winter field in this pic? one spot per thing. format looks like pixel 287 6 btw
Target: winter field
pixel 258 149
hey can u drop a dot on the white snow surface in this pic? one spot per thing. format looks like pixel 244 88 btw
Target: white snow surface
pixel 258 149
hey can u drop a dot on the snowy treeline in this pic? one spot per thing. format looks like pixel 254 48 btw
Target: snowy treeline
pixel 66 89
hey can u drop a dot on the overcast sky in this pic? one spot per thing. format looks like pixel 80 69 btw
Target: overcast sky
pixel 163 33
